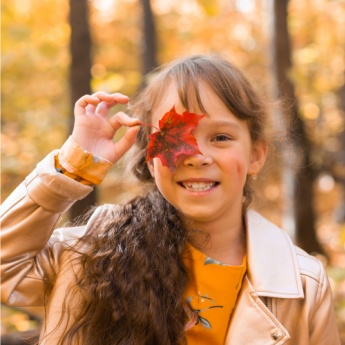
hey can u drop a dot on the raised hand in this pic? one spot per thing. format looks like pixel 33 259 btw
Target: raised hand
pixel 94 131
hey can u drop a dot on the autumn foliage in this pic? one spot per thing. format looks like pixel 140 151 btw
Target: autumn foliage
pixel 174 138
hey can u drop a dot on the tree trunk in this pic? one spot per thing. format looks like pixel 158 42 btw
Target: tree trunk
pixel 338 162
pixel 149 47
pixel 303 184
pixel 80 75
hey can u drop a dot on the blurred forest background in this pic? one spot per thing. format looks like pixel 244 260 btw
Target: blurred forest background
pixel 54 51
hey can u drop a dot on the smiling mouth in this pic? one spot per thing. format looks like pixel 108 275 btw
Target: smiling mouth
pixel 198 186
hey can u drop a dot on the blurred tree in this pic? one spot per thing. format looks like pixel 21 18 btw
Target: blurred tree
pixel 80 75
pixel 303 193
pixel 337 164
pixel 149 46
pixel 34 65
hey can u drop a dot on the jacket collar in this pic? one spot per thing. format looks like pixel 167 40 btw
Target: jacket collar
pixel 273 268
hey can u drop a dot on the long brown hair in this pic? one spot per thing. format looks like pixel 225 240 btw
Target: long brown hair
pixel 133 274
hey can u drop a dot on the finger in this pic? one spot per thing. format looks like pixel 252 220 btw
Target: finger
pixel 108 101
pixel 90 109
pixel 126 142
pixel 103 109
pixel 83 102
pixel 122 119
pixel 105 103
pixel 120 98
pixel 113 98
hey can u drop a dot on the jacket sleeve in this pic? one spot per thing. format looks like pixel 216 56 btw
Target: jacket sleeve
pixel 323 326
pixel 28 217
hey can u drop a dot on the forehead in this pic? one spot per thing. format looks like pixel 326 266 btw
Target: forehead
pixel 218 115
pixel 191 99
pixel 169 98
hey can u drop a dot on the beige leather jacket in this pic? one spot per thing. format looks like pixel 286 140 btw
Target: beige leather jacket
pixel 285 298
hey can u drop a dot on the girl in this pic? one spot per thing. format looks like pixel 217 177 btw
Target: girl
pixel 189 262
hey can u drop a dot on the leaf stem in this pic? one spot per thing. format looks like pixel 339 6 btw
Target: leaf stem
pixel 147 124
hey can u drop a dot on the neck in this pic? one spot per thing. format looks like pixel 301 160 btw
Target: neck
pixel 226 244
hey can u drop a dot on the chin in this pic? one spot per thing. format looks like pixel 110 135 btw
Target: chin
pixel 197 217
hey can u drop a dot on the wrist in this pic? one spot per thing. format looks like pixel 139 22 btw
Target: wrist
pixel 78 161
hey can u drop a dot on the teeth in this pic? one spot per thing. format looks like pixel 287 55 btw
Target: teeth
pixel 198 186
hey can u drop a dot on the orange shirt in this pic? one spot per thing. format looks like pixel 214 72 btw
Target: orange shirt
pixel 210 296
pixel 213 287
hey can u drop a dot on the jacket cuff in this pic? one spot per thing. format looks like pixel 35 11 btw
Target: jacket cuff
pixel 82 163
pixel 51 190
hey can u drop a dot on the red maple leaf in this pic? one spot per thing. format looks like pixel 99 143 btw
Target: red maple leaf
pixel 174 138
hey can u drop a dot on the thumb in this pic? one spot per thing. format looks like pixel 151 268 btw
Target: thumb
pixel 126 142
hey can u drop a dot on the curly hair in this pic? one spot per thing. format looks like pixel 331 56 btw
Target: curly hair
pixel 133 277
pixel 133 273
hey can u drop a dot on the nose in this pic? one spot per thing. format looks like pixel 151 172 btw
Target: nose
pixel 197 160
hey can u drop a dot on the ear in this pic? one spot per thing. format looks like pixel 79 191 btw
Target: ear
pixel 258 156
pixel 151 168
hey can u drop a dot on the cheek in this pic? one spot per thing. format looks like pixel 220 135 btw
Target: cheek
pixel 161 173
pixel 238 169
pixel 241 173
pixel 157 166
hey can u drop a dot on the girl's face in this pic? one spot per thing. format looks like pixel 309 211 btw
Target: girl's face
pixel 208 189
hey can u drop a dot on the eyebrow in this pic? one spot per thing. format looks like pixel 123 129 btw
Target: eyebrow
pixel 224 124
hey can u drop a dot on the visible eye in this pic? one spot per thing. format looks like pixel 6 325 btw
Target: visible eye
pixel 221 137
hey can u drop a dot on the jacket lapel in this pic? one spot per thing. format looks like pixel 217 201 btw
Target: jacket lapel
pixel 253 323
pixel 273 268
pixel 272 272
